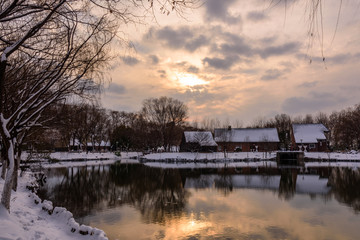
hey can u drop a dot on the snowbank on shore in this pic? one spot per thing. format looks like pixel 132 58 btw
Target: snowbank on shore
pixel 333 156
pixel 189 156
pixel 30 218
pixel 219 156
pixel 192 165
pixel 75 163
pixel 69 156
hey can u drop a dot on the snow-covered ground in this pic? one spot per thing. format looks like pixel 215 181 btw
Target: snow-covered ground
pixel 188 156
pixel 349 156
pixel 30 218
pixel 70 156
pixel 212 164
pixel 75 163
pixel 269 164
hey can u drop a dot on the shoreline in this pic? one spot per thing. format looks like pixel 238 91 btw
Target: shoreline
pixel 32 218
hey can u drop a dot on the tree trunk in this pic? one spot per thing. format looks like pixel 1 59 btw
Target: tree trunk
pixel 4 167
pixel 3 161
pixel 6 193
pixel 16 168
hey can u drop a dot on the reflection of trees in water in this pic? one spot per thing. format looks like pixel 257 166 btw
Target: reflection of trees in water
pixel 79 190
pixel 157 193
pixel 224 184
pixel 287 186
pixel 345 184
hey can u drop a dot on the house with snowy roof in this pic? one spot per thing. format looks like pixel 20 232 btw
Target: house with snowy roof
pixel 193 141
pixel 76 145
pixel 247 139
pixel 309 137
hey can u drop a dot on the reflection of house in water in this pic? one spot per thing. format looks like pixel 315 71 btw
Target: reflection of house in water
pixel 304 184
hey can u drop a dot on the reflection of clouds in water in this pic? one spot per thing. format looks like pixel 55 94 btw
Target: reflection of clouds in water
pixel 204 207
pixel 160 234
pixel 277 232
pixel 160 203
pixel 314 221
pixel 112 217
pixel 252 236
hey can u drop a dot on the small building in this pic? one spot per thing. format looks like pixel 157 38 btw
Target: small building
pixel 76 145
pixel 193 141
pixel 247 139
pixel 309 137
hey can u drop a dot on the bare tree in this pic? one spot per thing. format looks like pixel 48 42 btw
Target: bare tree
pixel 210 124
pixel 51 50
pixel 283 125
pixel 167 113
pixel 314 10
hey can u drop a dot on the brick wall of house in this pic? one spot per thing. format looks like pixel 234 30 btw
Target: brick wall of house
pixel 247 147
pixel 321 146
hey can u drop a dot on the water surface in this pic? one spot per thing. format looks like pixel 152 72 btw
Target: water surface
pixel 134 201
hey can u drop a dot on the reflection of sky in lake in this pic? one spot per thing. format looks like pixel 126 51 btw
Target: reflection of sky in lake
pixel 133 201
pixel 242 214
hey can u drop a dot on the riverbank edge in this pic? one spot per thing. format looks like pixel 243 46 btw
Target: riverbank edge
pixel 12 223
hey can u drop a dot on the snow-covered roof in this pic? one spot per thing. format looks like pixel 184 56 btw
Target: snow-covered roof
pixel 309 133
pixel 246 135
pixel 203 138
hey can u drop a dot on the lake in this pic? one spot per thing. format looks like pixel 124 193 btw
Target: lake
pixel 136 201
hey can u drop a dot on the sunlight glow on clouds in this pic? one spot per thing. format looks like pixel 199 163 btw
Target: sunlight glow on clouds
pixel 242 59
pixel 187 79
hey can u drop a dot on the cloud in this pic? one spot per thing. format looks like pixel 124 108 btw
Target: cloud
pixel 219 10
pixel 335 59
pixel 223 46
pixel 196 43
pixel 314 101
pixel 116 88
pixel 154 59
pixel 240 48
pixel 162 73
pixel 174 38
pixel 308 84
pixel 193 69
pixel 228 77
pixel 182 38
pixel 187 67
pixel 234 44
pixel 272 74
pixel 131 61
pixel 221 63
pixel 286 48
pixel 256 16
pixel 201 95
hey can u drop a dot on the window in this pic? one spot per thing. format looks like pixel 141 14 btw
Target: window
pixel 311 146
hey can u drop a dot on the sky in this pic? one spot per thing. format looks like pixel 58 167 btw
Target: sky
pixel 237 60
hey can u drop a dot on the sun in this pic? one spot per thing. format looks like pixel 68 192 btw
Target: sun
pixel 190 80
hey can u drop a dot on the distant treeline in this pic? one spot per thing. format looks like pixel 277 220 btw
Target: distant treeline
pixel 161 122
